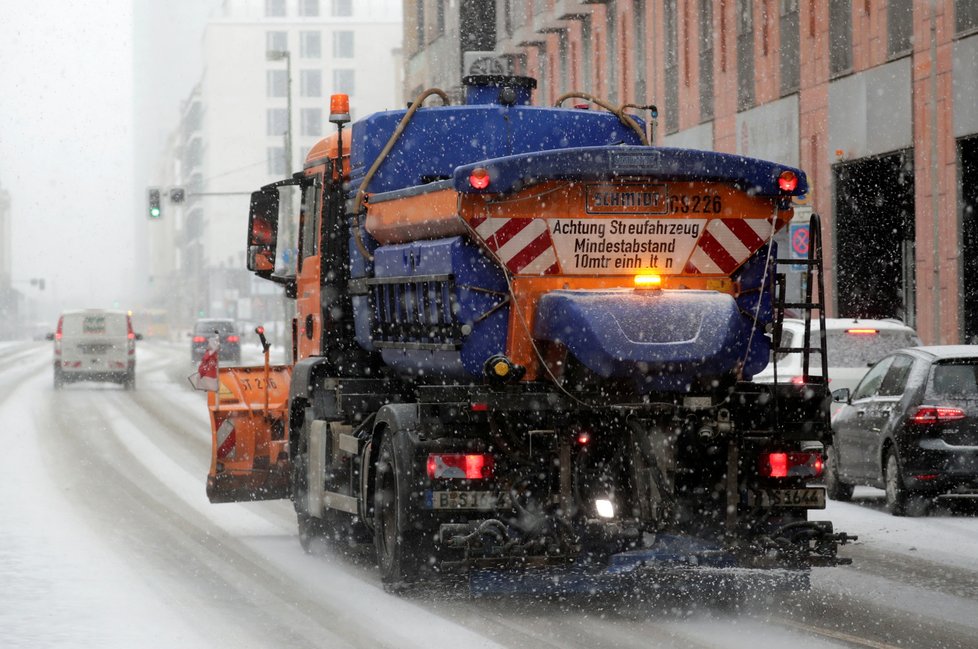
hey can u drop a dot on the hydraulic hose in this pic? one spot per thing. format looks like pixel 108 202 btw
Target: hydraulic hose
pixel 619 111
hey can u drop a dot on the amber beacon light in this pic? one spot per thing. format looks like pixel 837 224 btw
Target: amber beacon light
pixel 339 109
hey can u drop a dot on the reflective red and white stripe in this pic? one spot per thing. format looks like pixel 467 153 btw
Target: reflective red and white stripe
pixel 226 440
pixel 524 245
pixel 727 243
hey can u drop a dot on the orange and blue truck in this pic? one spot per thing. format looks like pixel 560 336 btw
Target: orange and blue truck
pixel 522 349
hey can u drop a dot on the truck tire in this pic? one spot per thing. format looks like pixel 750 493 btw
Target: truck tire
pixel 834 485
pixel 311 528
pixel 398 550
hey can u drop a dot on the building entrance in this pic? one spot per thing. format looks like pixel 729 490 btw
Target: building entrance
pixel 874 235
pixel 968 182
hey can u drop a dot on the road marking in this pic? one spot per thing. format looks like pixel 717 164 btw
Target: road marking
pixel 836 635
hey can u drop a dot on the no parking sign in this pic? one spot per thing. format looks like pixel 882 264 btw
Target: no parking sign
pixel 798 242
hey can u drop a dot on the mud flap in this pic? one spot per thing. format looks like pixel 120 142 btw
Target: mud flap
pixel 249 435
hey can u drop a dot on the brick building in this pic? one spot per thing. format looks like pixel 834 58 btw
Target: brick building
pixel 876 99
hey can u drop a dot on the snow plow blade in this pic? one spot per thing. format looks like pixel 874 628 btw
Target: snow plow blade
pixel 249 437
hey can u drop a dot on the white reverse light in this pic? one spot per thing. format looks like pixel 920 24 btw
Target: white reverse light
pixel 605 508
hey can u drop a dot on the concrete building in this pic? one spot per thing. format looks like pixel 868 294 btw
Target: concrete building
pixel 874 99
pixel 236 127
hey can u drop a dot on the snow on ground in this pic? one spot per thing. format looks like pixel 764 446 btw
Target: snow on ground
pixel 940 536
pixel 61 585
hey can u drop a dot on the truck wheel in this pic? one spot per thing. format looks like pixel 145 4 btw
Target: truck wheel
pixel 897 497
pixel 398 550
pixel 834 486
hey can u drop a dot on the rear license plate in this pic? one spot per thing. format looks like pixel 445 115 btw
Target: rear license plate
pixel 809 498
pixel 465 500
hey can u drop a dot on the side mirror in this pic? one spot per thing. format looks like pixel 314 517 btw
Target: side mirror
pixel 49 336
pixel 139 336
pixel 841 395
pixel 263 231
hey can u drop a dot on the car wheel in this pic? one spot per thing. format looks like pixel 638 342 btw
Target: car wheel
pixel 834 486
pixel 129 383
pixel 897 496
pixel 59 379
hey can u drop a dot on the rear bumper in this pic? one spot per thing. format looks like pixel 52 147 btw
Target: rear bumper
pixel 935 465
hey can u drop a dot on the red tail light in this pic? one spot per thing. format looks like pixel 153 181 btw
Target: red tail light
pixel 200 339
pixel 928 415
pixel 479 178
pixel 795 464
pixel 788 181
pixel 468 466
pixel 232 339
pixel 57 336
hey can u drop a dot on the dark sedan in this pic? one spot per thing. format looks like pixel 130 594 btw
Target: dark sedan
pixel 909 427
pixel 228 333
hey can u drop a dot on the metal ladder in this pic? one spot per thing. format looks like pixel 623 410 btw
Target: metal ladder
pixel 814 274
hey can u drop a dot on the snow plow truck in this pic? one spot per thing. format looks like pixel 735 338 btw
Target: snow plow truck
pixel 522 349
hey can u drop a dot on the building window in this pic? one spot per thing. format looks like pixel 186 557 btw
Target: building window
pixel 274 8
pixel 276 83
pixel 419 25
pixel 840 36
pixel 670 24
pixel 311 121
pixel 611 48
pixel 899 27
pixel 790 40
pixel 587 41
pixel 308 7
pixel 508 17
pixel 565 61
pixel 311 83
pixel 342 8
pixel 310 45
pixel 706 60
pixel 344 81
pixel 745 54
pixel 343 45
pixel 543 67
pixel 440 17
pixel 276 41
pixel 965 15
pixel 275 161
pixel 638 28
pixel 278 121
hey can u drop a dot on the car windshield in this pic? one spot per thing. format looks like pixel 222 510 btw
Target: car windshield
pixel 223 328
pixel 954 379
pixel 863 349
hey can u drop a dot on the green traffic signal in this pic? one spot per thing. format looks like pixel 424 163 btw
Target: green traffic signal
pixel 154 203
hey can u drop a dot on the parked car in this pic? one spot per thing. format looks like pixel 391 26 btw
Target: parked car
pixel 909 427
pixel 228 333
pixel 853 345
pixel 95 345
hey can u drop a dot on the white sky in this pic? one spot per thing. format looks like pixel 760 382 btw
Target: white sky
pixel 65 146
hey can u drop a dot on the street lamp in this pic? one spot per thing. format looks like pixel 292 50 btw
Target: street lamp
pixel 291 262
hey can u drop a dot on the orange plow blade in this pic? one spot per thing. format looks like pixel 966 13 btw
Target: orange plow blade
pixel 249 434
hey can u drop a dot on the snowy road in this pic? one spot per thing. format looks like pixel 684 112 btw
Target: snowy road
pixel 107 540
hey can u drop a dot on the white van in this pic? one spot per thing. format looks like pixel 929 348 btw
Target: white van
pixel 95 345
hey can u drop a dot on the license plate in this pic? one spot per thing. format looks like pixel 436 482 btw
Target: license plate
pixel 466 500
pixel 809 498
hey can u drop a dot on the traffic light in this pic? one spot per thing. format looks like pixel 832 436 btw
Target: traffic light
pixel 154 203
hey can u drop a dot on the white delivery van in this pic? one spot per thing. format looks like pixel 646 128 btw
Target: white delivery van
pixel 95 345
